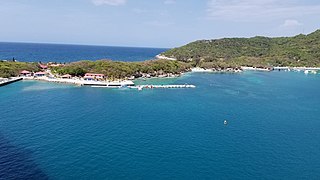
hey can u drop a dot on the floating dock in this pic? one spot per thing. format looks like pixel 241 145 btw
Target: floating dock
pixel 113 84
pixel 9 81
pixel 140 87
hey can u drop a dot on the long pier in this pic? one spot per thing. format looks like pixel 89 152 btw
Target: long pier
pixel 141 87
pixel 9 81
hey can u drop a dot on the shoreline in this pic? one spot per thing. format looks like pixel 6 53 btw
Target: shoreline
pixel 247 68
pixel 81 82
pixel 129 81
pixel 159 56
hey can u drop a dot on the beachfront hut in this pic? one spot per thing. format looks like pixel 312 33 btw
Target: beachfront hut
pixel 39 74
pixel 92 76
pixel 88 78
pixel 25 73
pixel 66 76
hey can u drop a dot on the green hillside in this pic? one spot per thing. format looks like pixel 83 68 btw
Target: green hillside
pixel 118 70
pixel 11 69
pixel 300 50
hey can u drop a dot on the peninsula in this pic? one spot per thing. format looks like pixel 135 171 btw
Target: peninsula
pixel 221 55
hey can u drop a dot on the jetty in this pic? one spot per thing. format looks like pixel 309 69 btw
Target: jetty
pixel 82 82
pixel 7 81
pixel 141 87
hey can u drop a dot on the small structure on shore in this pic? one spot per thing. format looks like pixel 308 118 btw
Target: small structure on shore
pixel 42 66
pixel 66 76
pixel 131 78
pixel 39 74
pixel 25 73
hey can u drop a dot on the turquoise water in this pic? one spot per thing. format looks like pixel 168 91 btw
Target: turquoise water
pixel 33 52
pixel 66 132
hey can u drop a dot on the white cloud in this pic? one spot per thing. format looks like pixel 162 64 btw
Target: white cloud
pixel 291 23
pixel 109 2
pixel 169 2
pixel 258 10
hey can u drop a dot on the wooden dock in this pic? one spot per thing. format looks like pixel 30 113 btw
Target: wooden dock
pixel 9 81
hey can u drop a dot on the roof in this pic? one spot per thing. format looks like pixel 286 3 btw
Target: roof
pixel 25 72
pixel 43 66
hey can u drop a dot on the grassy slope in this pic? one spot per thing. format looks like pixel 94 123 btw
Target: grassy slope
pixel 10 69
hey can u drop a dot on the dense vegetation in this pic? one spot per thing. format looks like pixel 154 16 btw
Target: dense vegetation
pixel 10 69
pixel 301 50
pixel 117 70
pixel 112 69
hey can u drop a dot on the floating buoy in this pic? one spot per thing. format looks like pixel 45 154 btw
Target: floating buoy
pixel 225 122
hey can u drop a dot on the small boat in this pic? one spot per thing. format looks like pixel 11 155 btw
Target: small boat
pixel 225 122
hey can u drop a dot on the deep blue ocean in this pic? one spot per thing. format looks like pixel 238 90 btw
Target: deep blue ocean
pixel 59 131
pixel 33 52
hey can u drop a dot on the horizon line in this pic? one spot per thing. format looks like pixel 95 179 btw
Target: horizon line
pixel 79 44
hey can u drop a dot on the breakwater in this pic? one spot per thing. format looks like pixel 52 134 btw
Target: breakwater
pixel 7 81
pixel 141 87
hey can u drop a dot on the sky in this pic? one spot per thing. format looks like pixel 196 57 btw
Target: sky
pixel 152 23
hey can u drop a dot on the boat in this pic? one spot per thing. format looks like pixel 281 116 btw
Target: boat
pixel 225 122
pixel 313 72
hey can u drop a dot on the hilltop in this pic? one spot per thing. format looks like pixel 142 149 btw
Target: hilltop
pixel 300 50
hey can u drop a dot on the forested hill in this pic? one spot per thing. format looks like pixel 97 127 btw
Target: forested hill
pixel 300 50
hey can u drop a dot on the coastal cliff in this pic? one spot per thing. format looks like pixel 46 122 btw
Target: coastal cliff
pixel 300 50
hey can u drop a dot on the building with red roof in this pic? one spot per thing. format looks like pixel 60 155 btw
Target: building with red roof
pixel 42 66
pixel 92 76
pixel 40 74
pixel 25 73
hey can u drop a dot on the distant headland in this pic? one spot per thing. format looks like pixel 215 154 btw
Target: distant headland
pixel 298 51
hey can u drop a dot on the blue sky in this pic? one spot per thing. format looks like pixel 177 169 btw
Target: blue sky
pixel 152 23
